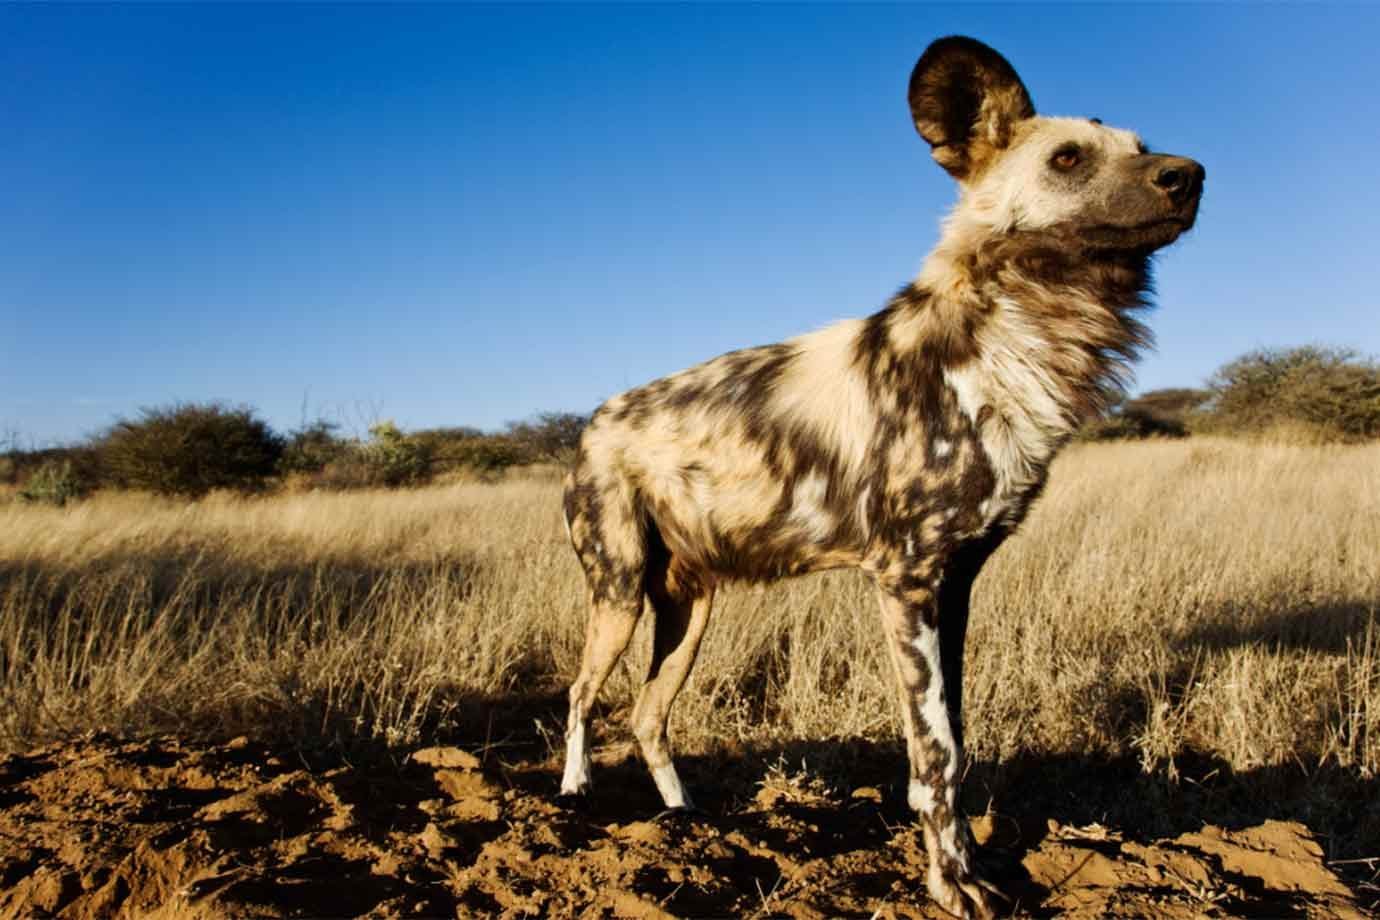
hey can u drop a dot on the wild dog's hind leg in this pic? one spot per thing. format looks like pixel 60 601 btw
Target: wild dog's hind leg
pixel 611 625
pixel 610 542
pixel 681 600
pixel 910 612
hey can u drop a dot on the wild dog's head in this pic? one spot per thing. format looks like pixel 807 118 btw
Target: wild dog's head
pixel 1020 172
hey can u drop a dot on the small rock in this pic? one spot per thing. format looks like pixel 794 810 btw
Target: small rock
pixel 474 810
pixel 446 757
pixel 644 832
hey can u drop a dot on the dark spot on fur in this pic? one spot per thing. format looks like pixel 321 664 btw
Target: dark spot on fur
pixel 912 379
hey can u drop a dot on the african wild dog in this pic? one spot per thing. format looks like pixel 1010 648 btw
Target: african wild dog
pixel 908 444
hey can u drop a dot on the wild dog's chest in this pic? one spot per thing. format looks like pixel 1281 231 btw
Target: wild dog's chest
pixel 971 460
pixel 1018 424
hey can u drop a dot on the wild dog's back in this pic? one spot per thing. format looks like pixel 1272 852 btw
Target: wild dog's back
pixel 783 459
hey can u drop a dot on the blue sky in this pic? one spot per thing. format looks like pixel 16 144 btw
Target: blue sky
pixel 463 215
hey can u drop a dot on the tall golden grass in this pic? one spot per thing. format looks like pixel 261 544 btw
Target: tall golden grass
pixel 1205 597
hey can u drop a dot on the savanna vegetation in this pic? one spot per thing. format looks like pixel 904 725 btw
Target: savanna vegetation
pixel 1310 394
pixel 1305 395
pixel 1182 608
pixel 191 449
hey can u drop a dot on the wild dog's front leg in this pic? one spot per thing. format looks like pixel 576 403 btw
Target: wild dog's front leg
pixel 910 612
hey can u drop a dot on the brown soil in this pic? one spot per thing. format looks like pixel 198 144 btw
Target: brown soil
pixel 158 828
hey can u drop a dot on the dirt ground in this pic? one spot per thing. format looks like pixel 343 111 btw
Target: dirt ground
pixel 104 827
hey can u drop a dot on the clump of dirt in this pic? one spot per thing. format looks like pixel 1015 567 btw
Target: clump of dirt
pixel 157 828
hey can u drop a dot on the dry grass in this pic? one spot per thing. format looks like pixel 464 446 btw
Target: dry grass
pixel 1206 599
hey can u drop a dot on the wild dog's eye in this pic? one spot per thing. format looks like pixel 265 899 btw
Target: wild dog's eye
pixel 1066 157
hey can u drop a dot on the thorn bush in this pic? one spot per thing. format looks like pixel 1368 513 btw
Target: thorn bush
pixel 189 449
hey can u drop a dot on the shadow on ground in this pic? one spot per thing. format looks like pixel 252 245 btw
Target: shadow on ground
pixel 102 825
pixel 1332 628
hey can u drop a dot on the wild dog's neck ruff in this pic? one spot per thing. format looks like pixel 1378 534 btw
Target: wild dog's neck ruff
pixel 1035 331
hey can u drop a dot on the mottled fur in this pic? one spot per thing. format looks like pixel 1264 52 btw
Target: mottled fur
pixel 907 444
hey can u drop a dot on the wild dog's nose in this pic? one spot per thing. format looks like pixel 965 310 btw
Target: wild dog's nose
pixel 1180 178
pixel 1172 179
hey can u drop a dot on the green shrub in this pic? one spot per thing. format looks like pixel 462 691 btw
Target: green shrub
pixel 1170 404
pixel 55 482
pixel 447 446
pixel 310 448
pixel 394 458
pixel 551 436
pixel 490 454
pixel 1158 413
pixel 389 458
pixel 469 449
pixel 190 449
pixel 1130 425
pixel 1333 391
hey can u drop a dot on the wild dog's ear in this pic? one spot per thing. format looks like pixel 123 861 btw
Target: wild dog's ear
pixel 965 99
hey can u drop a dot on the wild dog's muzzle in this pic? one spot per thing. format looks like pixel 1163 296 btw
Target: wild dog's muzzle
pixel 1157 201
pixel 1162 188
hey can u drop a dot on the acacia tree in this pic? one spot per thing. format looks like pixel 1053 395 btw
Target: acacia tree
pixel 1335 390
